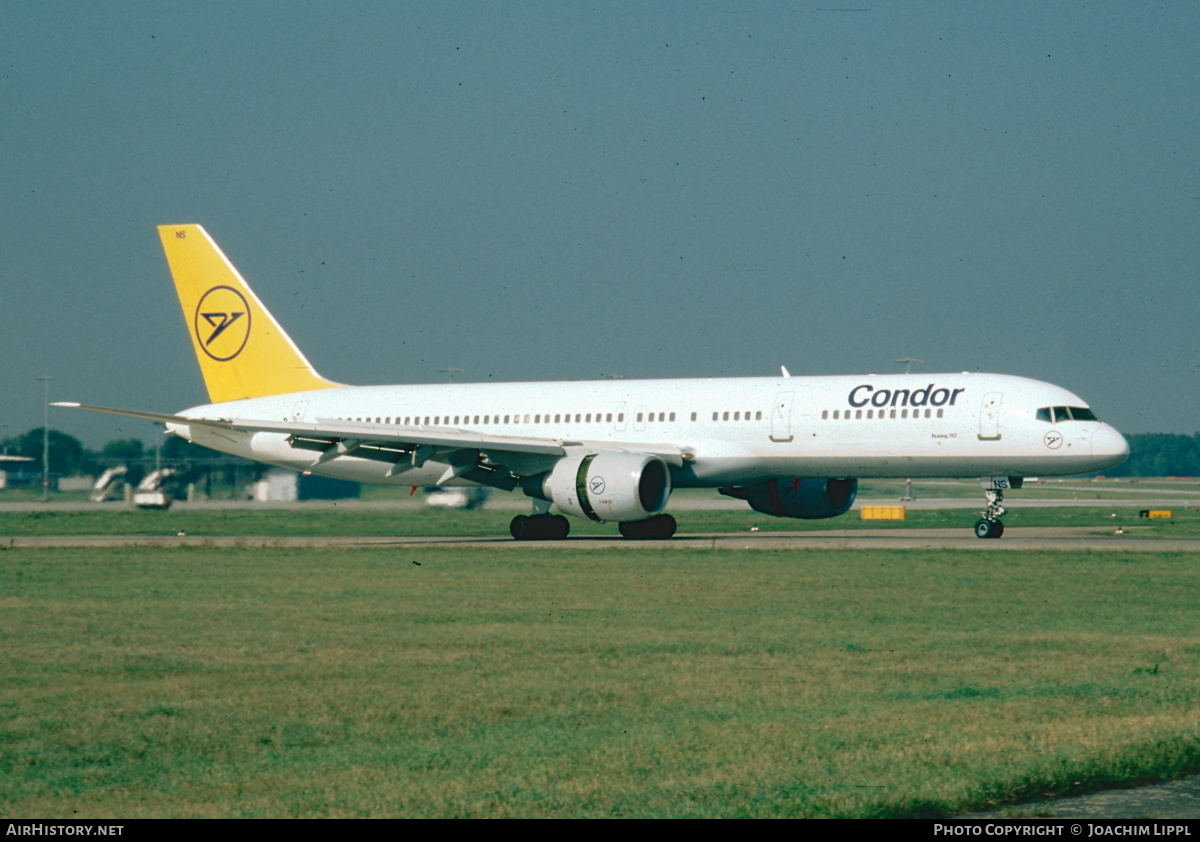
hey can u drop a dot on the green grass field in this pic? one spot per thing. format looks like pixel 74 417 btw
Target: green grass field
pixel 630 682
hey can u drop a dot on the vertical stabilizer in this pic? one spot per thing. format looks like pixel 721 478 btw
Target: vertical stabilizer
pixel 242 350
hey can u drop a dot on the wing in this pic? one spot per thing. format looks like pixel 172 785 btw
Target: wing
pixel 495 460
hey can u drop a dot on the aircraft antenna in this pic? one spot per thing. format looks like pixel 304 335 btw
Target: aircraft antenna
pixel 908 362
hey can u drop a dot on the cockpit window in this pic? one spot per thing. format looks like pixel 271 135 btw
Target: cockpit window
pixel 1059 414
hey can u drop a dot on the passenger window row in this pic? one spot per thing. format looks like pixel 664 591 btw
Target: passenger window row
pixel 526 418
pixel 855 414
pixel 550 418
pixel 735 416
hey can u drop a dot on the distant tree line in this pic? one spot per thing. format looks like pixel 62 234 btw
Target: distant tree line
pixel 1160 455
pixel 69 458
pixel 1150 455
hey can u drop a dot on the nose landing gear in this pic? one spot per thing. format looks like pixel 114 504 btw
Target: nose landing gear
pixel 990 525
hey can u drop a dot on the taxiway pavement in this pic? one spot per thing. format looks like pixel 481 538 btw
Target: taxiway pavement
pixel 1015 538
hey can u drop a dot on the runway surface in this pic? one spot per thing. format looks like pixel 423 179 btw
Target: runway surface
pixel 1027 538
pixel 1170 800
pixel 1184 495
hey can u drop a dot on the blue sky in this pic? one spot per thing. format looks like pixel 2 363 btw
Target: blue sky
pixel 538 191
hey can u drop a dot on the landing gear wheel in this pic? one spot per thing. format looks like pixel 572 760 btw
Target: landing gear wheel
pixel 558 527
pixel 985 528
pixel 660 526
pixel 519 527
pixel 539 527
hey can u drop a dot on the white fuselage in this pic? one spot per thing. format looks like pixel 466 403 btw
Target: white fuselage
pixel 731 431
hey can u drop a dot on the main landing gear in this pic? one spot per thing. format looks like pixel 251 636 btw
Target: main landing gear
pixel 659 526
pixel 547 527
pixel 990 526
pixel 539 527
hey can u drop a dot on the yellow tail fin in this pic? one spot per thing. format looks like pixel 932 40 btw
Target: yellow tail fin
pixel 243 352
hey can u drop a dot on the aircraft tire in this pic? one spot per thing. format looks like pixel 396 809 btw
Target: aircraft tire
pixel 518 527
pixel 539 527
pixel 557 527
pixel 985 528
pixel 660 526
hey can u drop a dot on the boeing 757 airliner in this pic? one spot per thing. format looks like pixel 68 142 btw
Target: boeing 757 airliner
pixel 613 450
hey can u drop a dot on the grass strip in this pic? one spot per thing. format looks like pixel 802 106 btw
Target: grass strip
pixel 631 682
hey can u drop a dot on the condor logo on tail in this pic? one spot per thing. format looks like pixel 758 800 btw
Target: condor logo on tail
pixel 222 323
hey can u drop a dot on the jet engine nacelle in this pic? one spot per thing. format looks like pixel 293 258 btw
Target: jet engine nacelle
pixel 609 486
pixel 808 499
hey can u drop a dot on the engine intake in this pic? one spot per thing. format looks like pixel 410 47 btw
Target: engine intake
pixel 806 499
pixel 609 486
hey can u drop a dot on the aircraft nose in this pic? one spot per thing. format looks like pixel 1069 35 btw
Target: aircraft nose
pixel 1109 445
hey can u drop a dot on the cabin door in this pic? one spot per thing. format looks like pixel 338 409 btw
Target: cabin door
pixel 781 417
pixel 619 418
pixel 639 418
pixel 989 417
